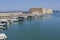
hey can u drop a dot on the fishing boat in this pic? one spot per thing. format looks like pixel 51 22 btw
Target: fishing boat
pixel 20 18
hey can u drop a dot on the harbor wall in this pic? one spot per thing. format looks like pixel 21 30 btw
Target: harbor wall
pixel 10 15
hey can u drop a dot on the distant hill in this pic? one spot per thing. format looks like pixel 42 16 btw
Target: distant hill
pixel 56 11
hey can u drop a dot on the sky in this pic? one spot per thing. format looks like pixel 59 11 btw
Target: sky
pixel 25 5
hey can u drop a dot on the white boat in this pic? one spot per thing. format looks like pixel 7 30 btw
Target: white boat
pixel 3 22
pixel 2 36
pixel 14 20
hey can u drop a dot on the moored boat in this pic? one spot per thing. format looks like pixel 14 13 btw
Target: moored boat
pixel 2 36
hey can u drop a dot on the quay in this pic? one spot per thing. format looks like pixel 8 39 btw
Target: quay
pixel 33 12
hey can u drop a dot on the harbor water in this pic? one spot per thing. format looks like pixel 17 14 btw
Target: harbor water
pixel 42 28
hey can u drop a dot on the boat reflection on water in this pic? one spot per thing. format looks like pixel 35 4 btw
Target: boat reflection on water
pixel 30 17
pixel 3 27
pixel 21 22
